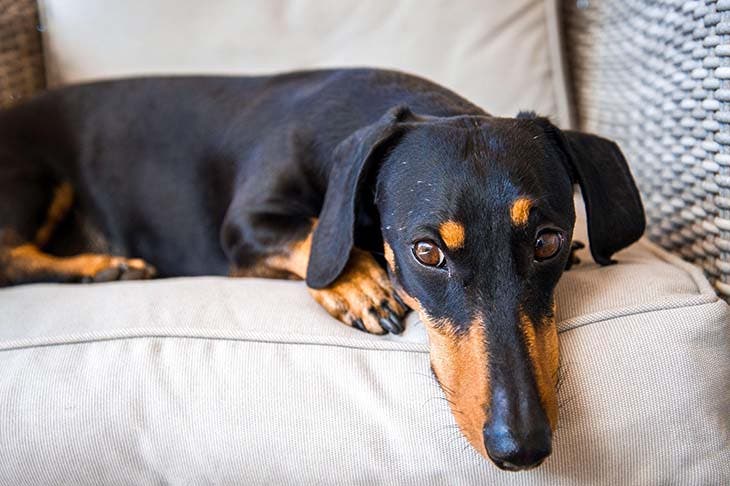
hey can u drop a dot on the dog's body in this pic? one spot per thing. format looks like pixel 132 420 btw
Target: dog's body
pixel 157 163
pixel 325 176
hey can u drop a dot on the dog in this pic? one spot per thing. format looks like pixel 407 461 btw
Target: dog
pixel 382 190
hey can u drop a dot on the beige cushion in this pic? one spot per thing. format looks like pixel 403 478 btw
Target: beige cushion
pixel 504 56
pixel 222 381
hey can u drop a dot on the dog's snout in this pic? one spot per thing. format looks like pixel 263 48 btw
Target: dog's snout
pixel 515 450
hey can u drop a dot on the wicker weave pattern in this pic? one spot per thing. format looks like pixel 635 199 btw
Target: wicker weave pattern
pixel 655 76
pixel 21 61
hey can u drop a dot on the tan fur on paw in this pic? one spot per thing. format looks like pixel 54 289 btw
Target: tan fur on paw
pixel 363 297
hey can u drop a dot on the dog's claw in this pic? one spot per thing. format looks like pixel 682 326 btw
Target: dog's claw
pixel 397 324
pixel 395 321
pixel 358 324
pixel 388 325
pixel 394 324
pixel 399 300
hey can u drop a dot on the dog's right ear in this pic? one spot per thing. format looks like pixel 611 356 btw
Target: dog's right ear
pixel 353 160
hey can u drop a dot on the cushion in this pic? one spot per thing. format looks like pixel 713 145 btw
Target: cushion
pixel 503 56
pixel 244 381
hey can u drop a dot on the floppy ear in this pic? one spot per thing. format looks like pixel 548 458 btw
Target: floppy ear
pixel 353 159
pixel 613 204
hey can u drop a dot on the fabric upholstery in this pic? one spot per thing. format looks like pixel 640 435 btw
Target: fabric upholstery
pixel 222 381
pixel 655 76
pixel 504 56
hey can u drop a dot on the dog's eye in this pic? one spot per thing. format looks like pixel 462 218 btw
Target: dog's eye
pixel 428 253
pixel 547 245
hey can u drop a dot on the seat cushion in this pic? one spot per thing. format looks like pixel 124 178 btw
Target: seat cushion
pixel 245 381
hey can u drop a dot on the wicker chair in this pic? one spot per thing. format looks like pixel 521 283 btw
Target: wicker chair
pixel 21 58
pixel 653 75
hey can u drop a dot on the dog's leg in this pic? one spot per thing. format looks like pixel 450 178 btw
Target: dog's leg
pixel 361 297
pixel 24 231
pixel 28 264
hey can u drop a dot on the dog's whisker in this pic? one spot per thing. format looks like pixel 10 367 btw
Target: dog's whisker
pixel 430 378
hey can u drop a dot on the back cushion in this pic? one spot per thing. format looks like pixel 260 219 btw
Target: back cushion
pixel 493 52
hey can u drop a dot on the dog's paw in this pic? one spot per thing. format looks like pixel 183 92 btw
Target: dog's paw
pixel 573 258
pixel 105 268
pixel 363 297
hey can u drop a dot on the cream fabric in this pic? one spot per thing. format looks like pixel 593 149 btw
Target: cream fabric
pixel 504 56
pixel 222 381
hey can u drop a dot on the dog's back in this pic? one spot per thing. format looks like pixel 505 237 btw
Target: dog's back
pixel 154 162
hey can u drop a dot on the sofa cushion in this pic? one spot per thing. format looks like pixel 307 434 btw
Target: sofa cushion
pixel 223 381
pixel 503 56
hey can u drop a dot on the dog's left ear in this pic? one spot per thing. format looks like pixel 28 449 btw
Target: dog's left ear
pixel 354 158
pixel 613 204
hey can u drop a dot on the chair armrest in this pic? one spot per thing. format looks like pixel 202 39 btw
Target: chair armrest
pixel 655 76
pixel 21 56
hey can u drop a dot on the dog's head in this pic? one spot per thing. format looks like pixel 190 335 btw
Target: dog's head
pixel 475 218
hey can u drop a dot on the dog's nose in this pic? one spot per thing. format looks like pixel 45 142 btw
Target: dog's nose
pixel 514 451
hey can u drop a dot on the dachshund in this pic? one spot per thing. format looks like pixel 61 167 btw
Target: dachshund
pixel 382 190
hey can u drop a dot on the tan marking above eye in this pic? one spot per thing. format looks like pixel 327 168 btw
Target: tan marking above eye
pixel 453 234
pixel 520 211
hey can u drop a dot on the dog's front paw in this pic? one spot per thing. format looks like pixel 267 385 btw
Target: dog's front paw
pixel 363 297
pixel 105 268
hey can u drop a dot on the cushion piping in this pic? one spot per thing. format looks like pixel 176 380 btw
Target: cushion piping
pixel 285 339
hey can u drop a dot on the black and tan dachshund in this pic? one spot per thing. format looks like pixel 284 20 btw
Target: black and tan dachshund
pixel 380 189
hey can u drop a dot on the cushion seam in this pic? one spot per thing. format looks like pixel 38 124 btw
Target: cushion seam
pixel 697 299
pixel 211 338
pixel 407 347
pixel 575 323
